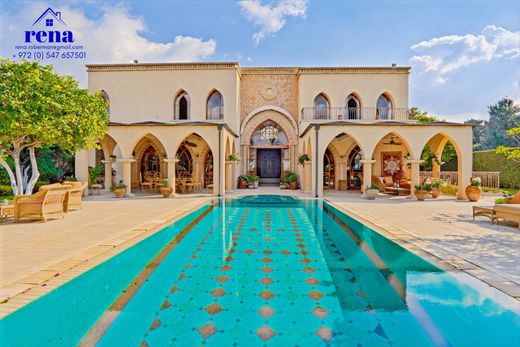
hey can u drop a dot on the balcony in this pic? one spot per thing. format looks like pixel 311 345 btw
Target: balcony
pixel 356 114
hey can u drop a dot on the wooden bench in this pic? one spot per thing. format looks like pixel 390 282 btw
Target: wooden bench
pixel 488 212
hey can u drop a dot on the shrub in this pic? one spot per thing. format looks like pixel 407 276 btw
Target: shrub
pixel 289 177
pixel 476 181
pixel 426 187
pixel 449 189
pixel 490 161
pixel 232 157
pixel 303 158
pixel 118 186
pixel 6 190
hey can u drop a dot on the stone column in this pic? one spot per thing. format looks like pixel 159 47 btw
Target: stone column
pixel 81 168
pixel 127 174
pixel 108 173
pixel 308 176
pixel 227 175
pixel 414 174
pixel 170 172
pixel 367 173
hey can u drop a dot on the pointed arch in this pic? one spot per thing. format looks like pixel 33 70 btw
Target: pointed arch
pixel 182 106
pixel 106 98
pixel 353 106
pixel 321 106
pixel 215 105
pixel 384 106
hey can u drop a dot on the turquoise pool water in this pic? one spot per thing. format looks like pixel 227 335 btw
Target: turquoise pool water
pixel 270 271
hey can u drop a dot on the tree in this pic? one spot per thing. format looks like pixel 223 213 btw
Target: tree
pixel 39 107
pixel 448 153
pixel 422 116
pixel 479 132
pixel 503 115
pixel 508 152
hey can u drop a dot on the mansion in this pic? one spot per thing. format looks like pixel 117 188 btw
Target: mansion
pixel 337 128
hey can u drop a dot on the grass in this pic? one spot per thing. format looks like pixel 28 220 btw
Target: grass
pixel 507 191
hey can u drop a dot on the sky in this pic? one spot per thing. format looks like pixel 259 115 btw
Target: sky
pixel 465 55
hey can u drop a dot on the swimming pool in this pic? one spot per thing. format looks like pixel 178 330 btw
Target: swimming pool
pixel 267 271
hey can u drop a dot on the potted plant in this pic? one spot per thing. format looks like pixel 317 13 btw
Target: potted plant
pixel 242 182
pixel 252 181
pixel 165 190
pixel 119 190
pixel 436 185
pixel 93 173
pixel 232 157
pixel 474 191
pixel 303 158
pixel 422 191
pixel 372 192
pixel 291 179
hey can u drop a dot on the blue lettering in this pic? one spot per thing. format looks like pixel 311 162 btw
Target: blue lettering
pixel 41 36
pixel 52 36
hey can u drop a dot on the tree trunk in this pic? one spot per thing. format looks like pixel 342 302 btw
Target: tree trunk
pixel 35 173
pixel 18 171
pixel 10 173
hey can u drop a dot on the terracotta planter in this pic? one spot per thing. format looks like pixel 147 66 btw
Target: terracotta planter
pixel 421 194
pixel 293 185
pixel 166 191
pixel 371 194
pixel 436 192
pixel 473 193
pixel 119 193
pixel 242 184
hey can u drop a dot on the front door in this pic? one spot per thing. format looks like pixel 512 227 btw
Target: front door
pixel 268 163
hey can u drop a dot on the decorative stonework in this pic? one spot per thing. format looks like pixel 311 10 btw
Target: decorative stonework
pixel 269 93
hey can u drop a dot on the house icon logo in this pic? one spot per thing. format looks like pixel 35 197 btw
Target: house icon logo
pixel 48 29
pixel 50 17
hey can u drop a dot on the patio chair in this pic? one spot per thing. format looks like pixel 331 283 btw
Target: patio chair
pixel 42 205
pixel 148 182
pixel 58 185
pixel 75 194
pixel 508 212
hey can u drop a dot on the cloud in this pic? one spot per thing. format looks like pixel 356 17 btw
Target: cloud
pixel 271 18
pixel 114 37
pixel 443 55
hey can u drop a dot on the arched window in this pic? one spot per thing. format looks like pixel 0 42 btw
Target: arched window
pixel 105 97
pixel 150 161
pixel 182 106
pixel 321 107
pixel 354 168
pixel 353 107
pixel 185 164
pixel 208 170
pixel 328 170
pixel 384 107
pixel 269 134
pixel 215 106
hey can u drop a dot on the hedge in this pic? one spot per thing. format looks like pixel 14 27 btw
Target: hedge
pixel 490 161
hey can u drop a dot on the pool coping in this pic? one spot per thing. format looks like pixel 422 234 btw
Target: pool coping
pixel 438 256
pixel 30 287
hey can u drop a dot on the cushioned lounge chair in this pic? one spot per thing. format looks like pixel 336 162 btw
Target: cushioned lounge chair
pixel 43 205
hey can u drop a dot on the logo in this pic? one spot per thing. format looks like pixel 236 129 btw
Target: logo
pixel 50 20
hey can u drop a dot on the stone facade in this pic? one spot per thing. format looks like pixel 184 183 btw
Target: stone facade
pixel 270 86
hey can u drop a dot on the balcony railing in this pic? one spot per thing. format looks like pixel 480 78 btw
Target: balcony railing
pixel 356 113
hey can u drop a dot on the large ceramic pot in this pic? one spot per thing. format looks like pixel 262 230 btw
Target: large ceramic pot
pixel 282 186
pixel 371 194
pixel 166 191
pixel 119 193
pixel 255 184
pixel 242 184
pixel 421 194
pixel 436 192
pixel 473 193
pixel 293 185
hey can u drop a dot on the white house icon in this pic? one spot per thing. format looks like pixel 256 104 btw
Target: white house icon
pixel 49 15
